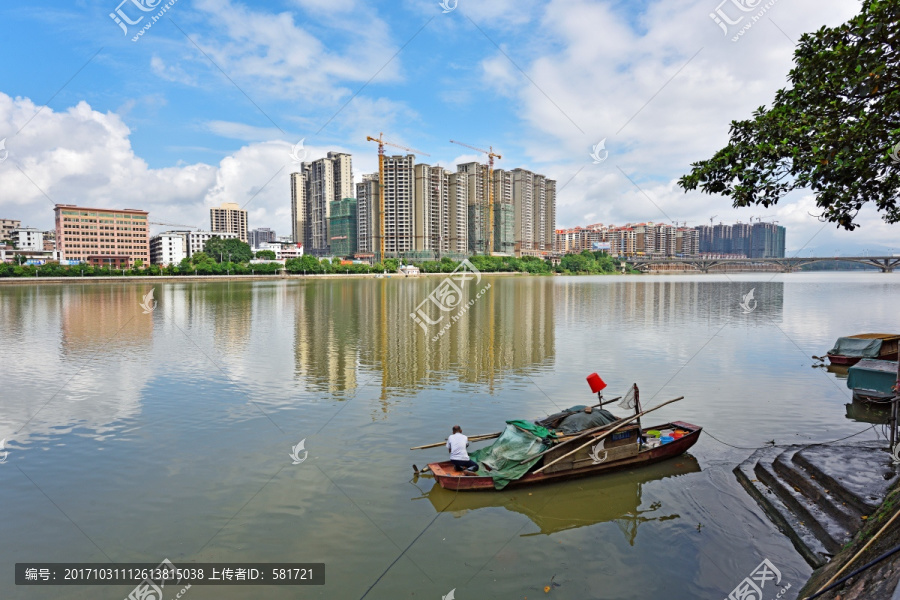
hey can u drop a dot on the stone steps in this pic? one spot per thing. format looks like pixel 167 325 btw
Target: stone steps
pixel 826 528
pixel 817 495
pixel 808 484
pixel 805 541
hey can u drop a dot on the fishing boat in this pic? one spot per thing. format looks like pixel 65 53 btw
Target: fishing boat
pixel 586 462
pixel 578 442
pixel 852 349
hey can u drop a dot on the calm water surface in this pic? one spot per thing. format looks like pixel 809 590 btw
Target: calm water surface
pixel 135 437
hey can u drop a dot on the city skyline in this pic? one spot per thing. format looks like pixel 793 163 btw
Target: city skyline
pixel 158 126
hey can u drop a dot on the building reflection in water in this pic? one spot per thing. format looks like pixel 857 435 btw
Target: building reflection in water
pixel 669 300
pixel 352 330
pixel 91 341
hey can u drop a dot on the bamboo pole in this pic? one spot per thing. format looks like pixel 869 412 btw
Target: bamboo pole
pixel 474 438
pixel 489 436
pixel 580 436
pixel 857 555
pixel 605 435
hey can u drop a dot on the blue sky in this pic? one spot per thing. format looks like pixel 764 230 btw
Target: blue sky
pixel 207 104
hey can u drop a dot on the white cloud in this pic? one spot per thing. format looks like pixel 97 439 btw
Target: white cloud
pixel 273 54
pixel 170 72
pixel 658 109
pixel 242 131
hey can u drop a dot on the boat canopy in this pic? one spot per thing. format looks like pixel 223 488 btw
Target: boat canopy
pixel 857 347
pixel 871 374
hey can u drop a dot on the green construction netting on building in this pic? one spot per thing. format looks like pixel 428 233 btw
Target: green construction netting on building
pixel 503 456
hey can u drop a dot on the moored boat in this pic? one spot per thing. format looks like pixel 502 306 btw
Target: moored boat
pixel 577 442
pixel 852 349
pixel 873 380
pixel 586 462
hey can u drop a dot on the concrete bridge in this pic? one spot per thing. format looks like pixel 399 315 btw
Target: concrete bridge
pixel 785 265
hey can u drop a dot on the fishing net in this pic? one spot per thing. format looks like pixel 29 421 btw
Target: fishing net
pixel 503 456
pixel 628 402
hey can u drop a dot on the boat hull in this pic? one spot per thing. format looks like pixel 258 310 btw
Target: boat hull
pixel 448 478
pixel 839 359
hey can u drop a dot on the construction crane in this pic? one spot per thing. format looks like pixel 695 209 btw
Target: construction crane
pixel 381 145
pixel 711 220
pixel 174 225
pixel 489 242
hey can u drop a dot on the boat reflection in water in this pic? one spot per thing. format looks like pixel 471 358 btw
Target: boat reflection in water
pixel 869 412
pixel 614 497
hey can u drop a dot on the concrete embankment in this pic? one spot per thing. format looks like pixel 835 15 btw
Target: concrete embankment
pixel 830 500
pixel 881 581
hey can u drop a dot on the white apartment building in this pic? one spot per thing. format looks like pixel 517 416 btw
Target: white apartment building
pixel 168 248
pixel 194 240
pixel 28 238
pixel 283 250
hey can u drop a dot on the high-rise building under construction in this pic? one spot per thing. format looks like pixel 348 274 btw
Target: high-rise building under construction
pixel 313 188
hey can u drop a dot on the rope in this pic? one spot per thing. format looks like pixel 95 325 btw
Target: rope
pixel 706 431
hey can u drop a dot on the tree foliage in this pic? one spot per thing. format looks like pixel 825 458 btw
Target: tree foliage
pixel 835 130
pixel 587 262
pixel 230 250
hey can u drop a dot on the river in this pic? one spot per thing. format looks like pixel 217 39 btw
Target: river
pixel 166 431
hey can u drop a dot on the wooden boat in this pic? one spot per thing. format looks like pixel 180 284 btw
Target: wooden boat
pixel 873 380
pixel 620 451
pixel 886 350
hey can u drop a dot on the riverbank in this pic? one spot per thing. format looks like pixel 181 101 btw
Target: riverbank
pixel 198 278
pixel 880 581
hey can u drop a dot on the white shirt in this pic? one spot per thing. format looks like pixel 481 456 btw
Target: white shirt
pixel 457 444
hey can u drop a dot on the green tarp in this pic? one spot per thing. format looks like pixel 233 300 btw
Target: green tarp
pixel 861 347
pixel 538 430
pixel 875 375
pixel 504 454
pixel 523 439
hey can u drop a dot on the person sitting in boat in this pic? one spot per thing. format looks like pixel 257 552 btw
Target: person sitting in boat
pixel 456 445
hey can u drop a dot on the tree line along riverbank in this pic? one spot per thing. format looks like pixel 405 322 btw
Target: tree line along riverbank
pixel 204 264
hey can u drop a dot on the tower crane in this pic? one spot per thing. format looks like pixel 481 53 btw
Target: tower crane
pixel 381 145
pixel 489 242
